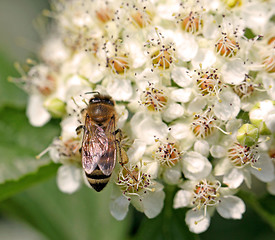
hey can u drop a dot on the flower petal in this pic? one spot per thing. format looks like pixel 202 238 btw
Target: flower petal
pixel 182 198
pixel 233 178
pixel 37 114
pixel 196 221
pixel 231 207
pixel 228 106
pixel 153 203
pixel 195 166
pixel 119 204
pixel 266 174
pixel 68 178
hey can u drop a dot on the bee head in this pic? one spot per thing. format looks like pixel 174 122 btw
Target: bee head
pixel 98 98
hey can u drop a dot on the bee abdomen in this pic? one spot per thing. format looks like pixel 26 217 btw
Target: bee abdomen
pixel 97 179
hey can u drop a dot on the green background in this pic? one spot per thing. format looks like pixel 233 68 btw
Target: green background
pixel 32 207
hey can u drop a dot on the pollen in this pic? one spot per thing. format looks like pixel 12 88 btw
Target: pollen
pixel 241 156
pixel 227 46
pixel 154 99
pixel 206 193
pixel 167 154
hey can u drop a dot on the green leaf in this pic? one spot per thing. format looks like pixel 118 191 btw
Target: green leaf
pixel 20 143
pixel 82 215
pixel 170 224
pixel 265 211
pixel 11 188
pixel 10 94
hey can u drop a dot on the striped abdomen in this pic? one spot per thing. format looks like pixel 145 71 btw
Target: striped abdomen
pixel 97 179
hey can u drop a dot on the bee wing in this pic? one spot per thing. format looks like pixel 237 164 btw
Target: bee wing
pixel 94 145
pixel 108 159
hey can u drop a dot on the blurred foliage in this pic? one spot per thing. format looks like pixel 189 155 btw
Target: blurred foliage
pixel 83 215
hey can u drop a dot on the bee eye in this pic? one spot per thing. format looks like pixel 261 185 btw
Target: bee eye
pixel 109 101
pixel 94 100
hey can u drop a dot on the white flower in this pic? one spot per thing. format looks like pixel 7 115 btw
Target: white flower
pixel 139 189
pixel 195 166
pixel 203 195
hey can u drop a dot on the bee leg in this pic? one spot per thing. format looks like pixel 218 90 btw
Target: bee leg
pixel 122 156
pixel 79 128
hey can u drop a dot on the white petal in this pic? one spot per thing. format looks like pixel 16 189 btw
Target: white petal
pixel 228 107
pixel 120 89
pixel 153 203
pixel 204 59
pixel 196 221
pixel 247 177
pixel 123 115
pixel 269 85
pixel 181 76
pixel 180 131
pixel 202 147
pixel 195 166
pixel 37 114
pixel 181 95
pixel 270 121
pixel 271 187
pixel 217 151
pixel 68 178
pixel 196 105
pixel 68 126
pixel 222 167
pixel 182 198
pixel 136 151
pixel 146 129
pixel 119 204
pixel 186 53
pixel 266 174
pixel 172 112
pixel 231 207
pixel 172 175
pixel 233 72
pixel 233 178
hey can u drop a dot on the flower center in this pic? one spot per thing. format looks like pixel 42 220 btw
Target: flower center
pixel 118 64
pixel 245 89
pixel 167 154
pixel 154 99
pixel 104 15
pixel 206 193
pixel 203 124
pixel 141 18
pixel 191 23
pixel 226 46
pixel 134 182
pixel 208 82
pixel 162 58
pixel 241 156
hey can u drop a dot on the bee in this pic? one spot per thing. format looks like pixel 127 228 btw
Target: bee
pixel 101 143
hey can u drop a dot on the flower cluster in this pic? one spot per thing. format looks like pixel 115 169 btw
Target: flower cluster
pixel 194 88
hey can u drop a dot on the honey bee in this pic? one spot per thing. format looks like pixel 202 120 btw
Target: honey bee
pixel 101 143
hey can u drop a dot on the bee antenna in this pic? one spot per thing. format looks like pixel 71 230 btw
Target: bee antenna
pixel 93 92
